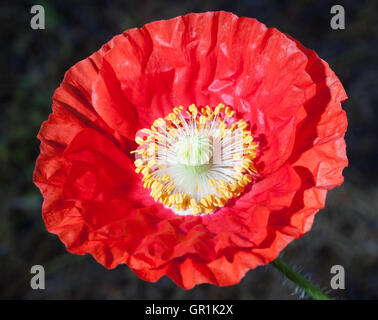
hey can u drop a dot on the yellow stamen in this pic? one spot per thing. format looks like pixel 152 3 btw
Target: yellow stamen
pixel 162 186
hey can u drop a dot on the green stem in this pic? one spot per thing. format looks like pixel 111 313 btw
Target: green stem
pixel 299 280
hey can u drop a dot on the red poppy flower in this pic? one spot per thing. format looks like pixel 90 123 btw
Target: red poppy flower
pixel 192 83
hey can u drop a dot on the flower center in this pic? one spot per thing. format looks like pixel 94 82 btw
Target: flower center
pixel 194 150
pixel 195 161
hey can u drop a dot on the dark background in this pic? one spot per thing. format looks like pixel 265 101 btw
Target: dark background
pixel 32 65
